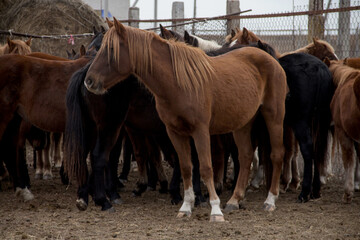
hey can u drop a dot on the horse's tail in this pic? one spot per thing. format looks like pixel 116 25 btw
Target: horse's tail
pixel 322 117
pixel 78 124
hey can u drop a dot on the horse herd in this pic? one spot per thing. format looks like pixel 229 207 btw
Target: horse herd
pixel 192 101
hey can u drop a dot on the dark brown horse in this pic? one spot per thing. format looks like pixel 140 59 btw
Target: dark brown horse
pixel 195 97
pixel 345 109
pixel 33 89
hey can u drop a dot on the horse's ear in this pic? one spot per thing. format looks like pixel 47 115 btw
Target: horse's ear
pixel 166 34
pixel 260 44
pixel 237 29
pixel 245 35
pixel 327 61
pixel 316 42
pixel 109 23
pixel 73 52
pixel 82 50
pixel 102 29
pixel 232 33
pixel 95 31
pixel 119 27
pixel 28 42
pixel 10 44
pixel 186 36
pixel 68 54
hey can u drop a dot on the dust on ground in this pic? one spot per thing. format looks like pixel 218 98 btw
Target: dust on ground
pixel 53 215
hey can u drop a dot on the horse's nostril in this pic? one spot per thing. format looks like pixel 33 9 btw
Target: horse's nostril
pixel 89 82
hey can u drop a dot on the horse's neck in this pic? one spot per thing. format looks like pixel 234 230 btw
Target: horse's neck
pixel 206 45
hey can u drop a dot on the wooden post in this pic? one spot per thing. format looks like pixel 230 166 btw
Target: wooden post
pixel 343 41
pixel 316 22
pixel 232 6
pixel 134 14
pixel 178 13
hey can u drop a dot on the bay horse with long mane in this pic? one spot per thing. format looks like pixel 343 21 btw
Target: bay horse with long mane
pixel 33 89
pixel 197 96
pixel 345 109
pixel 16 47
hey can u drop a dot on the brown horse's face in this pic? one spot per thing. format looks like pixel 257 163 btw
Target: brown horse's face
pixel 111 64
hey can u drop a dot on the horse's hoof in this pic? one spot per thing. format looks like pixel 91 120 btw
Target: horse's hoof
pixel 217 218
pixel 38 176
pixel 27 195
pixel 347 198
pixel 230 207
pixel 150 189
pixel 269 207
pixel 117 201
pixel 110 210
pixel 315 196
pixel 47 176
pixel 302 199
pixel 81 204
pixel 183 214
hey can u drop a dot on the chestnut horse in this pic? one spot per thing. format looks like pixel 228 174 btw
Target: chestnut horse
pixel 297 63
pixel 16 47
pixel 352 62
pixel 345 109
pixel 195 96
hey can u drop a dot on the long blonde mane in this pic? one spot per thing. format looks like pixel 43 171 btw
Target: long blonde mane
pixel 342 73
pixel 191 66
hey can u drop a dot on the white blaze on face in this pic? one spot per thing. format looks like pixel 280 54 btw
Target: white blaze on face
pixel 233 43
pixel 207 45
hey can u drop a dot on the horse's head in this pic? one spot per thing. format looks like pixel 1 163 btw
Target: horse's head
pixel 112 62
pixel 19 47
pixel 322 49
pixel 245 37
pixel 96 40
pixel 169 34
pixel 191 40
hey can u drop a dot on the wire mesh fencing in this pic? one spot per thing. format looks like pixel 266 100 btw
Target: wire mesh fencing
pixel 284 31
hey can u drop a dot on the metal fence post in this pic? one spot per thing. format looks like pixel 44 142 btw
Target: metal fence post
pixel 134 14
pixel 232 6
pixel 315 22
pixel 343 43
pixel 178 13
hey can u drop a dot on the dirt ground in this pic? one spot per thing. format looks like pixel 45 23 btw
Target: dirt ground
pixel 53 215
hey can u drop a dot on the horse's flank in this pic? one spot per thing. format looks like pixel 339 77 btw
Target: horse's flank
pixel 342 73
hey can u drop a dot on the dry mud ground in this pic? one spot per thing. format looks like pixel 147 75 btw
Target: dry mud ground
pixel 53 215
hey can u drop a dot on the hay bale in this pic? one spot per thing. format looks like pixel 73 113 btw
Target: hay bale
pixel 49 17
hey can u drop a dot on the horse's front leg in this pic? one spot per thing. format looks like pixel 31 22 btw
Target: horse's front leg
pixel 182 146
pixel 201 138
pixel 242 139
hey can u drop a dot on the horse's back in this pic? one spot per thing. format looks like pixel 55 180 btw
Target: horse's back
pixel 310 84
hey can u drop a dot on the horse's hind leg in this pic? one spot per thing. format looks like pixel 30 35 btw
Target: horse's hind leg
pixel 347 149
pixel 303 135
pixel 242 139
pixel 47 174
pixel 217 156
pixel 289 143
pixel 56 145
pixel 357 168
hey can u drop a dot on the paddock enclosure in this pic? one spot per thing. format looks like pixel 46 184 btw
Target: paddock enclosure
pixel 63 26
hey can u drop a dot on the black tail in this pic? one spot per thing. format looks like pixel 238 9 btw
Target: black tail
pixel 78 129
pixel 322 117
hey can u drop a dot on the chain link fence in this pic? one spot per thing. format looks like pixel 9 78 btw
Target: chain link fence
pixel 285 31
